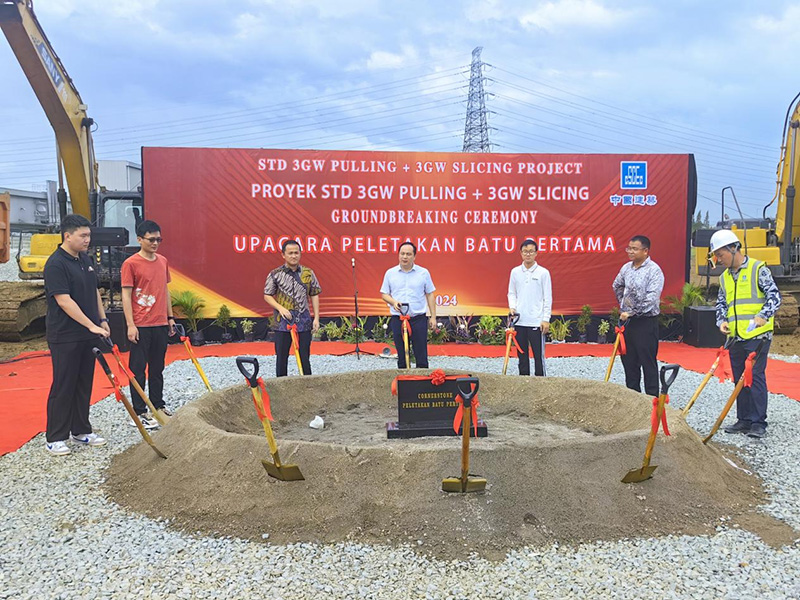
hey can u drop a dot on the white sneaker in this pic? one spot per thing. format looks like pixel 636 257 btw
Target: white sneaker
pixel 89 439
pixel 58 448
pixel 147 421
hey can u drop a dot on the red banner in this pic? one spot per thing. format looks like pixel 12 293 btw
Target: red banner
pixel 225 212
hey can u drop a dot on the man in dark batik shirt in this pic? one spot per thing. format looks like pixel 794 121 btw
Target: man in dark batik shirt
pixel 287 290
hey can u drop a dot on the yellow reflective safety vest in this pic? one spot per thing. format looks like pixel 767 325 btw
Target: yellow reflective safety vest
pixel 745 300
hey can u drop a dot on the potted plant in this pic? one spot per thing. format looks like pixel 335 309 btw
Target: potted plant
pixel 190 307
pixel 439 335
pixel 490 330
pixel 461 331
pixel 380 331
pixel 224 320
pixel 583 322
pixel 333 331
pixel 613 317
pixel 559 330
pixel 602 330
pixel 247 329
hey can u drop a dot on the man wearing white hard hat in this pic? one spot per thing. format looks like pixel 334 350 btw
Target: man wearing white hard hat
pixel 746 305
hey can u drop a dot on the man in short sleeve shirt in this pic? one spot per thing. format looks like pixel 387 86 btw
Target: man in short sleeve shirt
pixel 288 290
pixel 75 318
pixel 148 315
pixel 408 283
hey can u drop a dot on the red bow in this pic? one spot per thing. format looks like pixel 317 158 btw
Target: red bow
pixel 118 393
pixel 438 377
pixel 621 349
pixel 724 364
pixel 125 371
pixel 654 416
pixel 512 333
pixel 267 412
pixel 460 413
pixel 748 369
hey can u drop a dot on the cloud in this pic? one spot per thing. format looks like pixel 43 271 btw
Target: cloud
pixel 786 24
pixel 387 60
pixel 570 14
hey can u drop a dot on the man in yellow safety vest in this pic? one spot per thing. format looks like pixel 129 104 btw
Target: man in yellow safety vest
pixel 746 305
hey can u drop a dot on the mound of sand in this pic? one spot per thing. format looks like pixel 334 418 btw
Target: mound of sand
pixel 556 451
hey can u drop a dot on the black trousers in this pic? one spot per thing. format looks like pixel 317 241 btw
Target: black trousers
pixel 71 391
pixel 751 405
pixel 148 355
pixel 530 336
pixel 283 345
pixel 641 341
pixel 418 340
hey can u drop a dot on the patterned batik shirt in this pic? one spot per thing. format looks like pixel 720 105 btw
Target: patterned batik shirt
pixel 292 289
pixel 772 300
pixel 638 289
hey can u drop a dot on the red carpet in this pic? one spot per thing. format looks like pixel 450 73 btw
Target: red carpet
pixel 25 383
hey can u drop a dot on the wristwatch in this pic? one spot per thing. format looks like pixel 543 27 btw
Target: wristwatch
pixel 170 318
pixel 104 320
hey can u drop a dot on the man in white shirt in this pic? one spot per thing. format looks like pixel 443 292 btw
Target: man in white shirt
pixel 408 283
pixel 530 295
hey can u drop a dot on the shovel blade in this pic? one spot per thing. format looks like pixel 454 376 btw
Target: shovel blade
pixel 284 472
pixel 454 485
pixel 638 475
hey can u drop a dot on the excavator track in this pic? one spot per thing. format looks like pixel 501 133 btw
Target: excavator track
pixel 786 319
pixel 22 310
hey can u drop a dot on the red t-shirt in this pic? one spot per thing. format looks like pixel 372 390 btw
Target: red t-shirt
pixel 149 296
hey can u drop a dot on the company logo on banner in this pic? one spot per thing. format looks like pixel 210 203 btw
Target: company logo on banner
pixel 633 175
pixel 229 211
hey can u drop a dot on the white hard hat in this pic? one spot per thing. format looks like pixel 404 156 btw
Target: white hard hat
pixel 722 238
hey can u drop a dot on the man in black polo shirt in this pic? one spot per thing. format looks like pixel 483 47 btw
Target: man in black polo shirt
pixel 75 318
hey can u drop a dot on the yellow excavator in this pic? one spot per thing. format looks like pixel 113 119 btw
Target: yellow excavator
pixel 775 241
pixel 23 306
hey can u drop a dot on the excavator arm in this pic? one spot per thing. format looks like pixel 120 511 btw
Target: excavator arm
pixel 787 226
pixel 56 93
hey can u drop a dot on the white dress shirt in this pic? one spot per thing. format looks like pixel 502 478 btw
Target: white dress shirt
pixel 530 293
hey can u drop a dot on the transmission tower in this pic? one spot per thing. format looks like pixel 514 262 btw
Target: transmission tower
pixel 476 129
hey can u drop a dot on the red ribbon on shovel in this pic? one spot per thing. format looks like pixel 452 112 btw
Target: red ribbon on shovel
pixel 293 332
pixel 748 369
pixel 654 416
pixel 125 371
pixel 460 413
pixel 267 413
pixel 512 333
pixel 621 349
pixel 406 321
pixel 724 365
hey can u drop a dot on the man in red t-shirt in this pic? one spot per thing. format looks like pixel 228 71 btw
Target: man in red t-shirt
pixel 148 314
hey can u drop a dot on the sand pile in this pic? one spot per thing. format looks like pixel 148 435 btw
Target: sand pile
pixel 556 451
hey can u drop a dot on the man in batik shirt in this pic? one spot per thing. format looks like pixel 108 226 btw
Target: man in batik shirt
pixel 287 290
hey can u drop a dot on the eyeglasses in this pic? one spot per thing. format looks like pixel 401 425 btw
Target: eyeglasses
pixel 529 251
pixel 633 249
pixel 153 240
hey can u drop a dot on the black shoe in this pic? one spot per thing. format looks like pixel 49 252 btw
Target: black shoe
pixel 738 427
pixel 757 431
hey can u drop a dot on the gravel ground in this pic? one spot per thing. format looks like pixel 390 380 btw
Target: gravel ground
pixel 61 538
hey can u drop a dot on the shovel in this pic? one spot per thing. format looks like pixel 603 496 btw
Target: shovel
pixel 404 312
pixel 513 319
pixel 160 417
pixel 735 394
pixel 613 354
pixel 728 343
pixel 465 483
pixel 186 342
pixel 124 399
pixel 646 472
pixel 276 469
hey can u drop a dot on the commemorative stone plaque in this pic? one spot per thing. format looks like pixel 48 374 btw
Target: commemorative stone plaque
pixel 426 409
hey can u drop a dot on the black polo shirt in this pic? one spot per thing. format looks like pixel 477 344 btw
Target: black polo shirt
pixel 67 274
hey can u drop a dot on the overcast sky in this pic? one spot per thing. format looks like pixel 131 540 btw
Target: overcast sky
pixel 710 78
